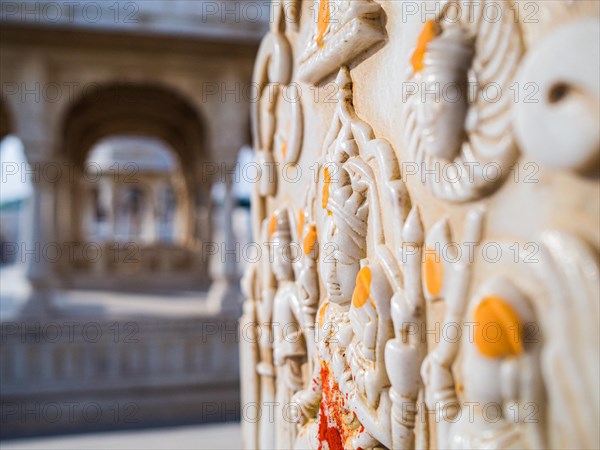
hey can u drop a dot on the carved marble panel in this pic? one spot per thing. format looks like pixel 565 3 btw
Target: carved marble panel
pixel 455 306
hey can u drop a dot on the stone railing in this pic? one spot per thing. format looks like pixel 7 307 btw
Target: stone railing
pixel 75 374
pixel 130 265
pixel 432 231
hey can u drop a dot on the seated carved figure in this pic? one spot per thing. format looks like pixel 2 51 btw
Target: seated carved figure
pixel 289 346
pixel 344 245
pixel 491 399
pixel 371 324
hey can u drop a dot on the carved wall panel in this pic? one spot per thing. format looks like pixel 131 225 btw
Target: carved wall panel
pixel 429 234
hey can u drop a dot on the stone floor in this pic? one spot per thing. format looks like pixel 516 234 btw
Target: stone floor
pixel 225 436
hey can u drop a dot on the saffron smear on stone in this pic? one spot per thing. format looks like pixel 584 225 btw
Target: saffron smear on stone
pixel 328 426
pixel 337 423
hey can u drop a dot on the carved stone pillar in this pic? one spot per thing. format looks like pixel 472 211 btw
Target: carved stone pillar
pixel 106 198
pixel 231 261
pixel 225 292
pixel 149 214
pixel 445 223
pixel 42 249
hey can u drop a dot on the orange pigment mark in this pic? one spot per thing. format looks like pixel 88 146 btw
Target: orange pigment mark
pixel 430 31
pixel 433 271
pixel 301 219
pixel 310 239
pixel 362 291
pixel 322 310
pixel 323 20
pixel 497 328
pixel 331 435
pixel 284 149
pixel 326 183
pixel 272 225
pixel 331 425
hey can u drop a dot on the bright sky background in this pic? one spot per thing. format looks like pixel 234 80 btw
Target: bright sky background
pixel 14 184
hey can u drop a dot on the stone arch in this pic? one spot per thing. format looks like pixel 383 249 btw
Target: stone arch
pixel 120 108
pixel 149 110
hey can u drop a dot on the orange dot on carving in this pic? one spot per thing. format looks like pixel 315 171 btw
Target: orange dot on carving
pixel 300 222
pixel 323 19
pixel 497 329
pixel 430 31
pixel 310 239
pixel 433 272
pixel 362 290
pixel 272 225
pixel 326 183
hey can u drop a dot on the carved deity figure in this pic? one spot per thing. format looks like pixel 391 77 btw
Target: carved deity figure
pixel 294 307
pixel 347 403
pixel 497 370
pixel 289 347
pixel 487 397
pixel 344 246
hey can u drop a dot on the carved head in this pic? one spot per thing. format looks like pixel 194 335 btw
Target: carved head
pixel 345 235
pixel 307 281
pixel 279 231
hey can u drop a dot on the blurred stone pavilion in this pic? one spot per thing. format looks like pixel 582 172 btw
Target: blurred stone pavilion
pixel 118 292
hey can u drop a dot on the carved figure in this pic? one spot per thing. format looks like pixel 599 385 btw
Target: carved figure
pixel 272 74
pixel 456 130
pixel 486 398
